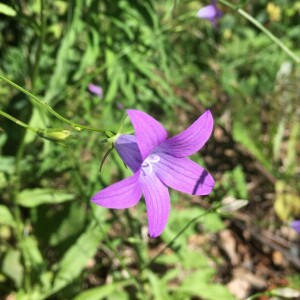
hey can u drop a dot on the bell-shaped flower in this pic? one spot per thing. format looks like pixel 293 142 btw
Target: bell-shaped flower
pixel 158 163
pixel 210 12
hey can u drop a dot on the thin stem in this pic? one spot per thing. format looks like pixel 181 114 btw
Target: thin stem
pixel 264 30
pixel 117 254
pixel 18 122
pixel 76 126
pixel 171 242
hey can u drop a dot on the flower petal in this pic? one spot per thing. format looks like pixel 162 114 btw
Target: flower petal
pixel 296 225
pixel 123 194
pixel 190 140
pixel 183 175
pixel 149 132
pixel 208 12
pixel 129 151
pixel 157 202
pixel 95 89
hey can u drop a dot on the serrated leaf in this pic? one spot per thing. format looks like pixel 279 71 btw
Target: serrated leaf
pixel 35 197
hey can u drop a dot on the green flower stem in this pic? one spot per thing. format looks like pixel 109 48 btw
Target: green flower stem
pixel 18 122
pixel 52 134
pixel 43 104
pixel 263 29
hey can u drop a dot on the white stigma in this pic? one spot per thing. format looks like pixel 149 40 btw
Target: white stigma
pixel 147 165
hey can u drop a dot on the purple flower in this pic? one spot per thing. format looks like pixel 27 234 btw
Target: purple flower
pixel 96 90
pixel 158 163
pixel 210 12
pixel 296 225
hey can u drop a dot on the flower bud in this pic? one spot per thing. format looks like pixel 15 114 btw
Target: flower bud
pixel 55 135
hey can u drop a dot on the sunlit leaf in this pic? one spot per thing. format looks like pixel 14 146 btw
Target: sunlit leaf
pixel 7 10
pixel 12 266
pixel 35 197
pixel 77 256
pixel 101 292
pixel 6 217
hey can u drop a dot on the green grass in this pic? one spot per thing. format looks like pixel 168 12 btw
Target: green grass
pixel 155 56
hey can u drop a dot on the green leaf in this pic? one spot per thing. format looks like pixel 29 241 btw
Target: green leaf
pixel 71 225
pixel 31 253
pixel 7 164
pixel 159 288
pixel 101 292
pixel 90 55
pixel 12 266
pixel 242 135
pixel 77 257
pixel 240 182
pixel 7 10
pixel 6 217
pixel 35 197
pixel 60 76
pixel 34 262
pixel 195 260
pixel 199 284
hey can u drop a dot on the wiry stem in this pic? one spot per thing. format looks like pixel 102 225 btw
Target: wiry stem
pixel 263 29
pixel 18 122
pixel 43 104
pixel 171 242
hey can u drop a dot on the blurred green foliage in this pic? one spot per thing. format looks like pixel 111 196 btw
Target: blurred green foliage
pixel 158 57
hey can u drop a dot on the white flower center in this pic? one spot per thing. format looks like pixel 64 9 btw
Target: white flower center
pixel 147 165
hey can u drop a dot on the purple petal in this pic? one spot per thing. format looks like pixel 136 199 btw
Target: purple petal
pixel 123 194
pixel 296 225
pixel 95 89
pixel 190 140
pixel 129 151
pixel 157 202
pixel 183 175
pixel 207 12
pixel 149 132
pixel 210 12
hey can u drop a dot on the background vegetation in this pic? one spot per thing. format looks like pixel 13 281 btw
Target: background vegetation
pixel 158 57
